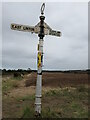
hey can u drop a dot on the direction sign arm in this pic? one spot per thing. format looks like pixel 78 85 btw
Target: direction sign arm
pixel 55 33
pixel 24 28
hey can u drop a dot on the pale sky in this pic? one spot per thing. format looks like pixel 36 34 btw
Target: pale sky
pixel 70 51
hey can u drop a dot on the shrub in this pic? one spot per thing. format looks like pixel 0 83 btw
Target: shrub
pixel 17 75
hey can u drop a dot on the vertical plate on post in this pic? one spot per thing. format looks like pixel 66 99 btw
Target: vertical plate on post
pixel 39 59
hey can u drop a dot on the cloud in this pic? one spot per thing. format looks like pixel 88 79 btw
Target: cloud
pixel 70 51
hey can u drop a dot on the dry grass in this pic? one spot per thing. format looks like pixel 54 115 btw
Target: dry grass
pixel 64 95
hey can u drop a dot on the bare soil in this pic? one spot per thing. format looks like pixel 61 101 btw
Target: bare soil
pixel 49 81
pixel 59 79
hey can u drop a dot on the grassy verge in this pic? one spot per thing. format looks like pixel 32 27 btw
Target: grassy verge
pixel 10 84
pixel 65 102
pixel 62 103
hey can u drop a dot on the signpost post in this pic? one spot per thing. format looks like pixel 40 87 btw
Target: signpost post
pixel 41 29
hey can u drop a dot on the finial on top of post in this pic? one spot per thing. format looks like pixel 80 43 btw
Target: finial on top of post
pixel 42 8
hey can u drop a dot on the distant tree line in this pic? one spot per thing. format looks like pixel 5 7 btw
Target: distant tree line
pixel 69 71
pixel 21 71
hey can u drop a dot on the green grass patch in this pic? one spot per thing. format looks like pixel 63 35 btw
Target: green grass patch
pixel 26 98
pixel 82 88
pixel 50 113
pixel 73 102
pixel 28 113
pixel 17 78
pixel 46 113
pixel 60 92
pixel 9 84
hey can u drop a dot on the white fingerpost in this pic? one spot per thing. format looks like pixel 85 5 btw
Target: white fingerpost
pixel 41 29
pixel 39 71
pixel 39 78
